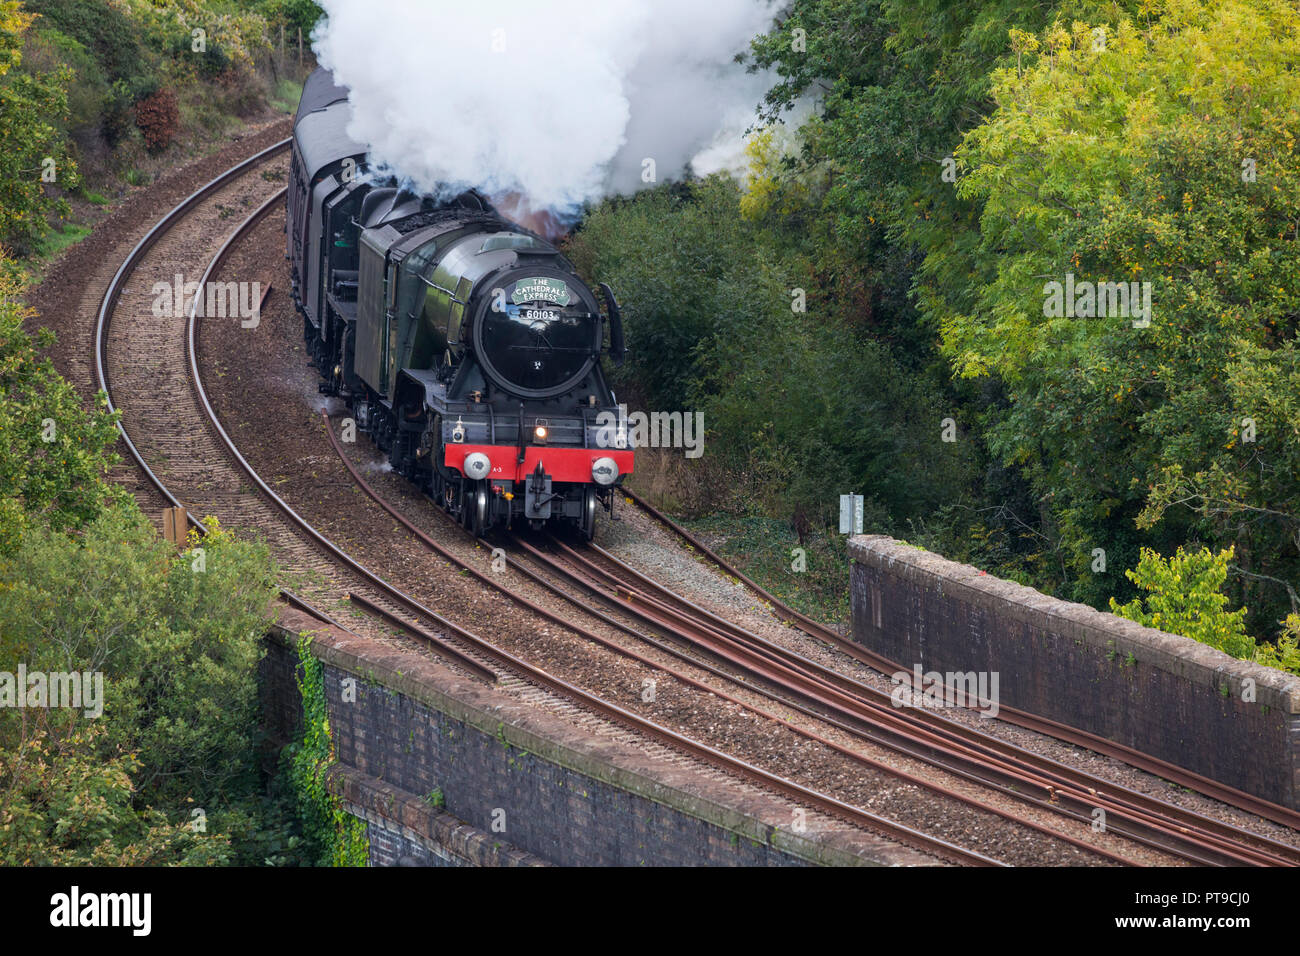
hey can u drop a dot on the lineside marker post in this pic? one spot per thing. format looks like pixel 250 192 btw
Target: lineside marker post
pixel 851 514
pixel 175 526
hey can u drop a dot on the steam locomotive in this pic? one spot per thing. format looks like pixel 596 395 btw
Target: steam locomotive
pixel 466 346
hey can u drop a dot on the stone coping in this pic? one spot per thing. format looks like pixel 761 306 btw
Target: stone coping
pixel 759 817
pixel 1197 663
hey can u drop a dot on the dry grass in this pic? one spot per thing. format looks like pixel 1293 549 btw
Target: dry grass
pixel 691 487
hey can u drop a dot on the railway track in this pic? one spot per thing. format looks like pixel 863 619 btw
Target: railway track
pixel 165 428
pixel 1022 771
pixel 567 622
pixel 863 711
pixel 172 434
pixel 1250 803
pixel 198 460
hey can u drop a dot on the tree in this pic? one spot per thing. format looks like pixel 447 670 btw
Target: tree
pixel 294 14
pixel 32 146
pixel 1183 595
pixel 53 455
pixel 177 646
pixel 798 411
pixel 1157 153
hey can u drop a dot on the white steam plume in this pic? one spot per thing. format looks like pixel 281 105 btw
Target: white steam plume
pixel 559 100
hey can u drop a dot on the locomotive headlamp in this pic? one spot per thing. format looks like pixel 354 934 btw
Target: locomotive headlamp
pixel 477 466
pixel 540 433
pixel 604 471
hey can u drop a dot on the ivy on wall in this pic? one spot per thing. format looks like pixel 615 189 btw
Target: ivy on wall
pixel 339 838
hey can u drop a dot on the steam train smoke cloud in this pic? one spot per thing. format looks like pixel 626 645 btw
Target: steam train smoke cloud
pixel 557 101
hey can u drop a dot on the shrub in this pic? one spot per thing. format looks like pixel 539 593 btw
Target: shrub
pixel 158 118
pixel 177 646
pixel 798 408
pixel 1184 596
pixel 293 14
pixel 99 27
pixel 53 454
pixel 47 50
pixel 1285 654
pixel 238 92
pixel 31 107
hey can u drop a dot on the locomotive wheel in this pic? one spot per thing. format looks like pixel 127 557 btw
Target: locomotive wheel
pixel 462 504
pixel 587 523
pixel 479 507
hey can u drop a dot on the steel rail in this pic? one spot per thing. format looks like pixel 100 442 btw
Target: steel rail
pixel 1147 828
pixel 1222 792
pixel 1062 781
pixel 1020 773
pixel 1144 829
pixel 113 294
pixel 115 285
pixel 587 634
pixel 539 676
pixel 954 757
pixel 111 297
pixel 678 741
pixel 640 725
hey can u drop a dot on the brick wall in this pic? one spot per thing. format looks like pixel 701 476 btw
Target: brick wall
pixel 408 830
pixel 522 785
pixel 391 845
pixel 1165 695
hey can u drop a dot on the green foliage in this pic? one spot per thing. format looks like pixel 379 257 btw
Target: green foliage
pixel 1285 653
pixel 286 96
pixel 56 240
pixel 1125 164
pixel 232 34
pixel 67 802
pixel 101 28
pixel 766 547
pixel 899 82
pixel 336 837
pixel 106 67
pixel 1107 140
pixel 46 50
pixel 177 649
pixel 796 409
pixel 685 264
pixel 850 395
pixel 293 14
pixel 87 586
pixel 1183 595
pixel 53 455
pixel 30 141
pixel 95 81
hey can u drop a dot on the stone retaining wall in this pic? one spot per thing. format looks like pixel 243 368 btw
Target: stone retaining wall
pixel 1168 696
pixel 515 785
